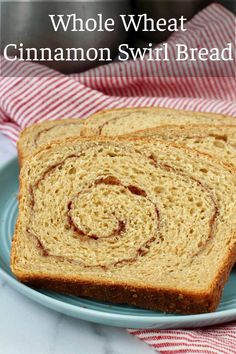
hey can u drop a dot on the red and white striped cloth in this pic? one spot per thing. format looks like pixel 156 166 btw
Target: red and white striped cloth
pixel 215 340
pixel 31 93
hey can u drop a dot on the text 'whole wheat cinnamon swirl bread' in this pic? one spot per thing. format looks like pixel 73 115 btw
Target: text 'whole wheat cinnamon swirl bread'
pixel 140 222
pixel 111 122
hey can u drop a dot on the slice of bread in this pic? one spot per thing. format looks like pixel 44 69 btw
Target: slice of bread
pixel 218 141
pixel 110 122
pixel 127 120
pixel 140 222
pixel 41 134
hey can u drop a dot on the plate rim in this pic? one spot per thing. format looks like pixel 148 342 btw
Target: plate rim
pixel 83 312
pixel 40 297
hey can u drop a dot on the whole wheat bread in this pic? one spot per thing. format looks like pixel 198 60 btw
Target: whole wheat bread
pixel 111 122
pixel 122 121
pixel 141 222
pixel 37 135
pixel 217 141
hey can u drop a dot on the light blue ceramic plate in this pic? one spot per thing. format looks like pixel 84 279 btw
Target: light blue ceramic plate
pixel 122 316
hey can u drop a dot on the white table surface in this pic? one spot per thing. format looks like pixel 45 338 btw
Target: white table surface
pixel 29 328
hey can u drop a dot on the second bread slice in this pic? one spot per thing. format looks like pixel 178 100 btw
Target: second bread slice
pixel 217 141
pixel 110 123
pixel 128 120
pixel 37 135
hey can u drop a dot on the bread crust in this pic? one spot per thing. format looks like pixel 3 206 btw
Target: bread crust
pixel 23 152
pixel 166 300
pixel 154 109
pixel 102 113
pixel 133 138
pixel 163 299
pixel 182 127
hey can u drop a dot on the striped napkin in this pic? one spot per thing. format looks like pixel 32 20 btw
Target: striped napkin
pixel 31 93
pixel 215 340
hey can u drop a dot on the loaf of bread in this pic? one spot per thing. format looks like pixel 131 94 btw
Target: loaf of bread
pixel 110 122
pixel 41 134
pixel 127 120
pixel 141 222
pixel 218 141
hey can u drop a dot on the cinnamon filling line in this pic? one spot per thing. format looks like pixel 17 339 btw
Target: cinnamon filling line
pixel 43 131
pixel 121 224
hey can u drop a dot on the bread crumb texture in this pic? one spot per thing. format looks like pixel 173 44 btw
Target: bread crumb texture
pixel 141 214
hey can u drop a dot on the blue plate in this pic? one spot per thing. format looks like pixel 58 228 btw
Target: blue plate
pixel 99 312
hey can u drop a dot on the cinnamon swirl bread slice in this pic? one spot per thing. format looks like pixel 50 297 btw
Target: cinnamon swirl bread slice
pixel 37 135
pixel 127 120
pixel 139 222
pixel 218 141
pixel 111 122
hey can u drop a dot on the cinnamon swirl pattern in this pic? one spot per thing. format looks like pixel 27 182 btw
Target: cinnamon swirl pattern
pixel 218 141
pixel 44 133
pixel 133 212
pixel 128 120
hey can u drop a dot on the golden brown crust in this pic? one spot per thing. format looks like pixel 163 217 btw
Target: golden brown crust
pixel 153 109
pixel 182 127
pixel 166 300
pixel 130 137
pixel 19 153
